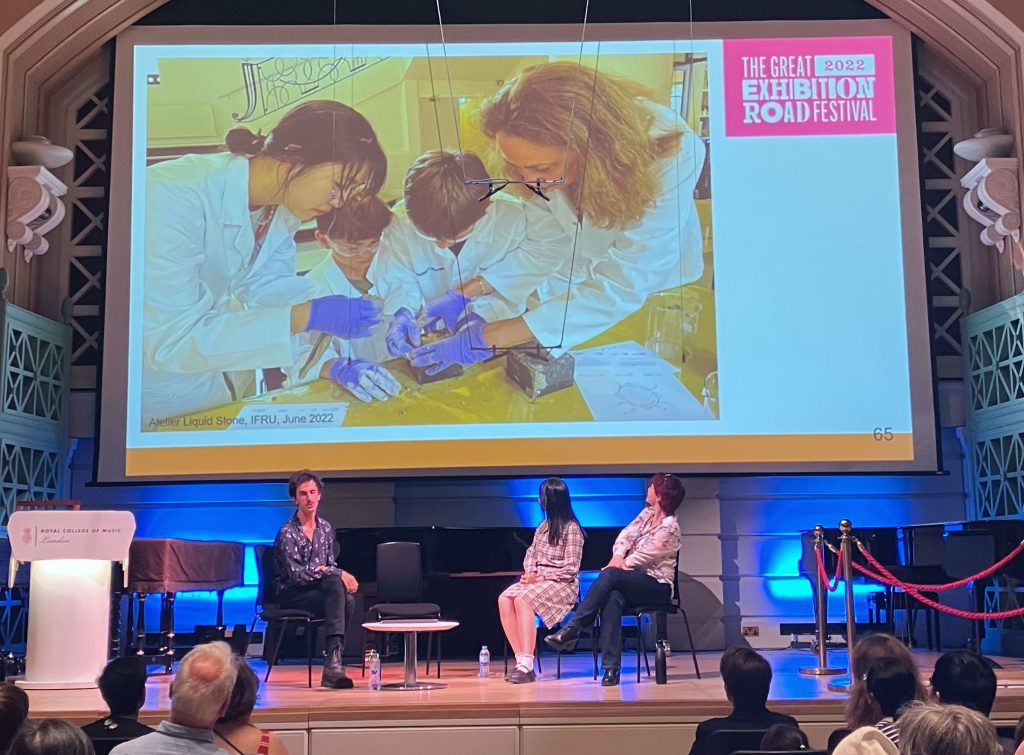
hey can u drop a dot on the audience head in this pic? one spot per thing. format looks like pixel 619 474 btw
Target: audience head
pixel 51 736
pixel 13 712
pixel 203 685
pixel 747 677
pixel 557 505
pixel 892 683
pixel 932 729
pixel 861 707
pixel 123 685
pixel 784 737
pixel 669 492
pixel 243 696
pixel 964 678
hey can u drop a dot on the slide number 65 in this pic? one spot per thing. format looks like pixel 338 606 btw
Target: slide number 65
pixel 882 433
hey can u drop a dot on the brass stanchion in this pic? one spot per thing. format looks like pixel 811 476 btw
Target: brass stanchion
pixel 846 554
pixel 821 600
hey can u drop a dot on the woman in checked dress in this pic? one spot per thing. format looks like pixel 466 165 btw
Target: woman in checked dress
pixel 550 583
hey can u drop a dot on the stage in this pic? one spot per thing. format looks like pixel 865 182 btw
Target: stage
pixel 573 714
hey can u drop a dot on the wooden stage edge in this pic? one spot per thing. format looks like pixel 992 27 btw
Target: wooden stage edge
pixel 286 701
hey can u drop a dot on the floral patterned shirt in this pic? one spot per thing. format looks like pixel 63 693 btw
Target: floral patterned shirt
pixel 297 556
pixel 650 548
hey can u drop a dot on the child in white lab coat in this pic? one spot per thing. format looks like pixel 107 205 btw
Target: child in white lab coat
pixel 352 233
pixel 442 236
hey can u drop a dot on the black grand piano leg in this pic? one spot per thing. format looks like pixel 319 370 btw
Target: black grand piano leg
pixel 140 634
pixel 220 612
pixel 169 634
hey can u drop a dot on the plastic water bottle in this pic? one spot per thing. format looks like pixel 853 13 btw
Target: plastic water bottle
pixel 485 663
pixel 374 669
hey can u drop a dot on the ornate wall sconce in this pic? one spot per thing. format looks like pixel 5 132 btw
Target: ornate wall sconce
pixel 993 199
pixel 33 208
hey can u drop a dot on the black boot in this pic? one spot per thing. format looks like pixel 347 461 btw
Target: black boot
pixel 334 672
pixel 564 640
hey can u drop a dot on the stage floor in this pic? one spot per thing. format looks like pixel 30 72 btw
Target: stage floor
pixel 575 700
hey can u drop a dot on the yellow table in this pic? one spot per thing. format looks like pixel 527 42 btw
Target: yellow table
pixel 484 394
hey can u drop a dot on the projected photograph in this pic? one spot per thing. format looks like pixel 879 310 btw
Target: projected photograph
pixel 334 241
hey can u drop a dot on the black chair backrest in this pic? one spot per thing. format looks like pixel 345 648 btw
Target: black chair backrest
pixel 728 741
pixel 399 573
pixel 266 567
pixel 837 736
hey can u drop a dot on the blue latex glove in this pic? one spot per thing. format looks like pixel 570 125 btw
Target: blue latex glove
pixel 449 310
pixel 404 334
pixel 365 380
pixel 343 316
pixel 465 347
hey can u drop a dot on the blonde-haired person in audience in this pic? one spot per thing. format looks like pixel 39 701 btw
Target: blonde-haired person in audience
pixel 235 731
pixel 933 729
pixel 861 708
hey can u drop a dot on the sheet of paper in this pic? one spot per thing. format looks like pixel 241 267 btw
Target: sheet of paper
pixel 625 381
pixel 288 416
pixel 623 355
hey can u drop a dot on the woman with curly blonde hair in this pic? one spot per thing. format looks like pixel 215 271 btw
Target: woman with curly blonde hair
pixel 626 167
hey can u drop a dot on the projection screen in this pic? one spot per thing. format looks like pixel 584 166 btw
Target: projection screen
pixel 712 260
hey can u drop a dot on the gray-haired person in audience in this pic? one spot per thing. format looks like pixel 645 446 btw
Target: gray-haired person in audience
pixel 932 729
pixel 50 736
pixel 199 696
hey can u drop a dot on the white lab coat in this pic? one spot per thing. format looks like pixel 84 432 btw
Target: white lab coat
pixel 410 270
pixel 616 268
pixel 328 279
pixel 209 308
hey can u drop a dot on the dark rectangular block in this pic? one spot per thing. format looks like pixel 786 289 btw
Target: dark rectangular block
pixel 537 374
pixel 420 375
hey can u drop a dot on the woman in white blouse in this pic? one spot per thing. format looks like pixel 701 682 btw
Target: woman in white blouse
pixel 640 572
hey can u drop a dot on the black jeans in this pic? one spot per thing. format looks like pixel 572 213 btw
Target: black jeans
pixel 326 597
pixel 613 592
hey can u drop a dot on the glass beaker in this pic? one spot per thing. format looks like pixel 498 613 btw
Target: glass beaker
pixel 672 322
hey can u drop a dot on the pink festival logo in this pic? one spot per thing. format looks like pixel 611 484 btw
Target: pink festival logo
pixel 809 87
pixel 26 535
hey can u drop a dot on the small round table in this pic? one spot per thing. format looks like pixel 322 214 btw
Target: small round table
pixel 410 629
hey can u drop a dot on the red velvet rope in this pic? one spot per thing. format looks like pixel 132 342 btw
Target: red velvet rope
pixel 887 578
pixel 951 585
pixel 830 585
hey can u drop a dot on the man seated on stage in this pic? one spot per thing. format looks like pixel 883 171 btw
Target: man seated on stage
pixel 747 678
pixel 308 577
pixel 123 687
pixel 199 696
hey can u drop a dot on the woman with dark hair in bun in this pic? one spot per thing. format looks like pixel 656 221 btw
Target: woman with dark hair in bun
pixel 221 295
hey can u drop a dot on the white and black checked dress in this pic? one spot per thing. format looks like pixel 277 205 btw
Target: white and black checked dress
pixel 559 565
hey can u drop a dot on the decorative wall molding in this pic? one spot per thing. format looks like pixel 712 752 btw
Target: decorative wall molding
pixel 33 406
pixel 33 209
pixel 993 199
pixel 995 353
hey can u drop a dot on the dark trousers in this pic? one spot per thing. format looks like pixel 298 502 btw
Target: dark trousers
pixel 613 592
pixel 328 598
